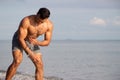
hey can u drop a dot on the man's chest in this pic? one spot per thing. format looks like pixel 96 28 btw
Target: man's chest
pixel 38 30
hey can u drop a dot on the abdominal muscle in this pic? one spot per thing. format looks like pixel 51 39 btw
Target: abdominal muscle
pixel 33 36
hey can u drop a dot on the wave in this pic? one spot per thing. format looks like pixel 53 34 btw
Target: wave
pixel 22 76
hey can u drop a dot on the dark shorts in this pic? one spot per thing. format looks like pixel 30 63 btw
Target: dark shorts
pixel 16 45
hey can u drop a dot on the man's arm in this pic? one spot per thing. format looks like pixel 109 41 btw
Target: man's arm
pixel 22 35
pixel 47 37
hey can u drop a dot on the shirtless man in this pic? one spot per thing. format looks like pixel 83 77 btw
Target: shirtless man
pixel 25 38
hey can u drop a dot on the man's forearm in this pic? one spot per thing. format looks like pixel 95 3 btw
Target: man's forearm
pixel 28 51
pixel 25 47
pixel 44 43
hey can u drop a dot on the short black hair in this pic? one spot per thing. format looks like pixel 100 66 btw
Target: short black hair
pixel 43 13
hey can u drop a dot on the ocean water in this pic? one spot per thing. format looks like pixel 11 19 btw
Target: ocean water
pixel 72 60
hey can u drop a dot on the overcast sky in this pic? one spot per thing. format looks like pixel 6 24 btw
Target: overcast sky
pixel 73 19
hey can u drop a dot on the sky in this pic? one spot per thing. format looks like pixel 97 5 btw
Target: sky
pixel 72 19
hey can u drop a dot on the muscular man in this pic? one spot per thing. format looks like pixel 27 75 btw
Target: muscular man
pixel 25 38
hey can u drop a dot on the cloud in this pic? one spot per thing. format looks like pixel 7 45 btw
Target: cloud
pixel 117 21
pixel 97 21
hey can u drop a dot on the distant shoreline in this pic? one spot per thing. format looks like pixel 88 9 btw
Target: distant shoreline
pixel 73 40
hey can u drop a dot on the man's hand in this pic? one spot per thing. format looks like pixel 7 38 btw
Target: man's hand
pixel 33 41
pixel 34 58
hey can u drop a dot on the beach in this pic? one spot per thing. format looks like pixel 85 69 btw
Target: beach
pixel 20 76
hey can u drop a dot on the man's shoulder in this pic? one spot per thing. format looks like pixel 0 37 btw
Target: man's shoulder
pixel 50 24
pixel 25 22
pixel 27 18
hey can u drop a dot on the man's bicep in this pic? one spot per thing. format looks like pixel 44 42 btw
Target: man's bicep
pixel 22 33
pixel 48 35
pixel 23 29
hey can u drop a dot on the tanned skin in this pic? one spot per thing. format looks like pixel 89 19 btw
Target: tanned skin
pixel 30 29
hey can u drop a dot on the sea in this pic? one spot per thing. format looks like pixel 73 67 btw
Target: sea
pixel 71 59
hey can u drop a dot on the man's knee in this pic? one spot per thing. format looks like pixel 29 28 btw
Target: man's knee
pixel 17 55
pixel 39 63
pixel 17 62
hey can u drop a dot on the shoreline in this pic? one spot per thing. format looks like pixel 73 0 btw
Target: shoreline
pixel 22 76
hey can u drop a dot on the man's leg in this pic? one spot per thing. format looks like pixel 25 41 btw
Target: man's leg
pixel 39 67
pixel 17 58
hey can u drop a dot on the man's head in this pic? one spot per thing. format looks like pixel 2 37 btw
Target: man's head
pixel 43 13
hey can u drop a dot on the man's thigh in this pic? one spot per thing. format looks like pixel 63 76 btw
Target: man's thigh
pixel 17 55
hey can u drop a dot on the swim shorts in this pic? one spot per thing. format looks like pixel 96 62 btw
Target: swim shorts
pixel 16 45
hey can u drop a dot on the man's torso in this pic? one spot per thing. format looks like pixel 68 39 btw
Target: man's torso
pixel 33 31
pixel 36 30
